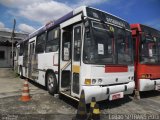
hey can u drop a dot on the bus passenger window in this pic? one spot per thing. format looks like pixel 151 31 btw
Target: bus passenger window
pixel 77 43
pixel 40 43
pixel 25 49
pixel 52 43
pixel 66 46
pixel 66 51
pixel 32 47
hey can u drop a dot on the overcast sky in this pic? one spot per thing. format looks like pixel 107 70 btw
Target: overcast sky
pixel 32 14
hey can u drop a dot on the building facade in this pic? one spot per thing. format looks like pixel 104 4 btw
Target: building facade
pixel 6 46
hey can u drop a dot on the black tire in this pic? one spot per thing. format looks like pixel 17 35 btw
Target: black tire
pixel 21 72
pixel 51 83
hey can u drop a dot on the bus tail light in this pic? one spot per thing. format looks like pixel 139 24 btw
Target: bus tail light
pixel 146 75
pixel 87 81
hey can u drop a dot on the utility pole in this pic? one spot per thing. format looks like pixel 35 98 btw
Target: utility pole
pixel 12 39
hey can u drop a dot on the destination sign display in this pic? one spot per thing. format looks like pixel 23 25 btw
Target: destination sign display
pixel 114 21
pixel 106 17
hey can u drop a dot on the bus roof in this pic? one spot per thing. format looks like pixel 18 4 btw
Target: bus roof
pixel 54 23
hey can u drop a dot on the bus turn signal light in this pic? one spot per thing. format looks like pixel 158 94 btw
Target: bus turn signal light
pixel 87 81
pixel 146 76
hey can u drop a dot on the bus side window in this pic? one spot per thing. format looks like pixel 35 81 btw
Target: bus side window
pixel 21 49
pixel 66 46
pixel 25 49
pixel 40 43
pixel 32 47
pixel 52 43
pixel 17 54
pixel 77 43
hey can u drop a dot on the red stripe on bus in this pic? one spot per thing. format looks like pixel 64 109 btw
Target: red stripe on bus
pixel 116 69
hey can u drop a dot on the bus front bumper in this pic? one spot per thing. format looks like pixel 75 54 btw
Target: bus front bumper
pixel 103 92
pixel 147 84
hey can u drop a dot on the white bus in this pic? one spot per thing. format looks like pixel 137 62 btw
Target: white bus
pixel 86 49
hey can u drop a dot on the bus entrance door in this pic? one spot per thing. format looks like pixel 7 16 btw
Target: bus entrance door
pixel 65 61
pixel 70 60
pixel 76 56
pixel 32 62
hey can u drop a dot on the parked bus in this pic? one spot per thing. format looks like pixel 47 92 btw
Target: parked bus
pixel 86 49
pixel 146 44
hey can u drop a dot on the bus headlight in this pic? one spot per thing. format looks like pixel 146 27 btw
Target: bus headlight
pixel 93 81
pixel 100 80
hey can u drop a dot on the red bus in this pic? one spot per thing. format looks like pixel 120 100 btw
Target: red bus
pixel 146 45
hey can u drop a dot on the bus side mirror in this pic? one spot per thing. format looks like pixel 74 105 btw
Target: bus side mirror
pixel 82 17
pixel 134 32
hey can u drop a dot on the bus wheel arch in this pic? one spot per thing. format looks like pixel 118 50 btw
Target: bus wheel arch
pixel 51 81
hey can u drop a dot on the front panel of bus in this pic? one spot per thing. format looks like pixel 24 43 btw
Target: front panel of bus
pixel 107 67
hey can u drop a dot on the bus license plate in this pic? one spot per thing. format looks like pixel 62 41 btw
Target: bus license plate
pixel 116 96
pixel 157 87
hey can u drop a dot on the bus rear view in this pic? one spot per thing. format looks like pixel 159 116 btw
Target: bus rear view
pixel 146 43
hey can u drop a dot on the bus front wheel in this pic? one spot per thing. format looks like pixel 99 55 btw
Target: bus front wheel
pixel 51 83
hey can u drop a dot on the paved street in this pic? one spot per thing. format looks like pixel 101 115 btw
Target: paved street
pixel 46 107
pixel 12 85
pixel 41 102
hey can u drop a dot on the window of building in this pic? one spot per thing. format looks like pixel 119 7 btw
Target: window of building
pixel 2 55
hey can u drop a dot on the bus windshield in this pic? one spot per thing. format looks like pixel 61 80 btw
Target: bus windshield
pixel 150 49
pixel 106 44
